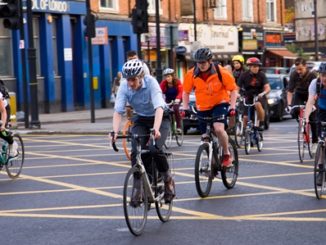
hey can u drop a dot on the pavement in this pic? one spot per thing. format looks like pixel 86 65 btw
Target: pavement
pixel 75 122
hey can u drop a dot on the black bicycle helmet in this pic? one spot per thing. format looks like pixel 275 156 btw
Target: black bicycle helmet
pixel 132 68
pixel 203 54
pixel 322 67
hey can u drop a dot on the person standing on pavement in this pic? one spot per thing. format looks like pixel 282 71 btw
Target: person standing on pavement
pixel 254 83
pixel 143 93
pixel 116 83
pixel 172 90
pixel 216 94
pixel 297 94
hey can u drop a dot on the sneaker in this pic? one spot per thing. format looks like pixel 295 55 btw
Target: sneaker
pixel 169 190
pixel 314 148
pixel 227 161
pixel 13 149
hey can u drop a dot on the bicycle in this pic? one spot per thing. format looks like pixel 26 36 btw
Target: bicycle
pixel 319 164
pixel 174 132
pixel 252 134
pixel 236 132
pixel 209 160
pixel 150 188
pixel 304 132
pixel 13 165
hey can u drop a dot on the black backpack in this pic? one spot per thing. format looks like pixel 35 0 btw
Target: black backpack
pixel 4 90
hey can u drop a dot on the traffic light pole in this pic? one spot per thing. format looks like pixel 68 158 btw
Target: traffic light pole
pixel 31 51
pixel 158 42
pixel 90 63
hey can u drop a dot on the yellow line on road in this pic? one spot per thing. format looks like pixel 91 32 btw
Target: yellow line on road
pixel 275 163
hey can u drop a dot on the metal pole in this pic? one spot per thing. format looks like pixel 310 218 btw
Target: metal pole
pixel 90 64
pixel 148 51
pixel 23 57
pixel 195 20
pixel 316 31
pixel 140 56
pixel 35 122
pixel 158 42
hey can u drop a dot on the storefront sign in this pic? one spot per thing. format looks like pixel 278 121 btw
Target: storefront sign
pixel 51 5
pixel 273 39
pixel 220 39
pixel 252 38
pixel 249 44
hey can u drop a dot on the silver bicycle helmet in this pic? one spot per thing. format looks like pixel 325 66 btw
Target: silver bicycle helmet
pixel 132 68
pixel 203 54
pixel 322 68
pixel 168 71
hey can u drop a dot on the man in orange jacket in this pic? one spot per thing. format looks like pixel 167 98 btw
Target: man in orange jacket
pixel 216 94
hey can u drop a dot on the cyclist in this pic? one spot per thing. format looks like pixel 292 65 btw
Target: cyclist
pixel 214 96
pixel 254 83
pixel 317 94
pixel 172 89
pixel 143 93
pixel 237 66
pixel 13 146
pixel 297 94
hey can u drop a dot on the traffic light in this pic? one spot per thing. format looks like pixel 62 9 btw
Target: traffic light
pixel 89 22
pixel 10 11
pixel 139 17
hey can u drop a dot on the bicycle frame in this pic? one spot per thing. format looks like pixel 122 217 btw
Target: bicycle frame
pixel 251 106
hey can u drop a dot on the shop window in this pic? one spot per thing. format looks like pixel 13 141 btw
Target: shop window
pixel 247 10
pixel 6 53
pixel 110 4
pixel 220 12
pixel 36 32
pixel 270 10
pixel 151 7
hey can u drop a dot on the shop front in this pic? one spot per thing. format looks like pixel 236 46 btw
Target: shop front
pixel 251 41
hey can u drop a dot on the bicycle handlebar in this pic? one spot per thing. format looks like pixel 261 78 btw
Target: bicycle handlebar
pixel 247 104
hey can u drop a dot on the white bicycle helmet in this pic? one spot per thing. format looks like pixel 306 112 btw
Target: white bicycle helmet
pixel 168 71
pixel 132 68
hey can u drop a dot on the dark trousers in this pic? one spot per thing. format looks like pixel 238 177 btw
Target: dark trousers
pixel 142 126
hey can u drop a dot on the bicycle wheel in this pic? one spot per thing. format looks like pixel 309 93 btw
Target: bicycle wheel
pixel 203 175
pixel 308 140
pixel 168 141
pixel 319 161
pixel 260 142
pixel 230 175
pixel 239 138
pixel 247 142
pixel 126 143
pixel 301 143
pixel 14 165
pixel 179 135
pixel 163 209
pixel 136 208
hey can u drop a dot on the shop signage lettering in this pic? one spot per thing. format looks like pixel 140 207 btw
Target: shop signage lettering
pixel 51 5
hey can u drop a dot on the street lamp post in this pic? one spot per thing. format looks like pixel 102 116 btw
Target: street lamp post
pixel 158 42
pixel 195 19
pixel 316 31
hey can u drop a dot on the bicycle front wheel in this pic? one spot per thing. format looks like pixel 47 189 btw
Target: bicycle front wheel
pixel 179 135
pixel 168 141
pixel 301 142
pixel 319 171
pixel 14 165
pixel 230 175
pixel 135 202
pixel 247 142
pixel 203 174
pixel 260 142
pixel 163 209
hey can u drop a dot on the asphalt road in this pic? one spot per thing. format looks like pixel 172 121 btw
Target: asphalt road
pixel 71 188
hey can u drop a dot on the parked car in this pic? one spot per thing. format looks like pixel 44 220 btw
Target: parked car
pixel 277 97
pixel 275 70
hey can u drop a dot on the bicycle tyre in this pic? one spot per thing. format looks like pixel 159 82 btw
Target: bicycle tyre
pixel 14 165
pixel 203 174
pixel 260 142
pixel 126 143
pixel 319 159
pixel 230 175
pixel 308 128
pixel 239 134
pixel 247 142
pixel 168 141
pixel 179 135
pixel 135 216
pixel 300 140
pixel 163 209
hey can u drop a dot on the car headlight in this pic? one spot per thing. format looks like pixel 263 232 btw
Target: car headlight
pixel 272 101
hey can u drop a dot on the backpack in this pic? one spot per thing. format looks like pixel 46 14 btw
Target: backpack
pixel 4 90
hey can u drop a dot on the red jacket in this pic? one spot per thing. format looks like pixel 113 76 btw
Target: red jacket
pixel 164 85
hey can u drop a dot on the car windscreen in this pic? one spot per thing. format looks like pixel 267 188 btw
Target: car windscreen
pixel 275 83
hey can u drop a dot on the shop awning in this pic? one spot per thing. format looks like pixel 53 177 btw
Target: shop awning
pixel 284 53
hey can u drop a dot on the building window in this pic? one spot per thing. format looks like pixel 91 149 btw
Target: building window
pixel 110 4
pixel 220 12
pixel 6 52
pixel 247 10
pixel 270 10
pixel 151 7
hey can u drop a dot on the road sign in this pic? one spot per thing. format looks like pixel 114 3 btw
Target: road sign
pixel 101 37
